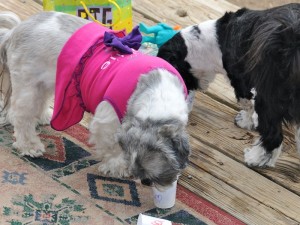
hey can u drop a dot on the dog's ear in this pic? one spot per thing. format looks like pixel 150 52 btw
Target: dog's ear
pixel 170 130
pixel 129 131
pixel 174 50
pixel 182 148
pixel 180 142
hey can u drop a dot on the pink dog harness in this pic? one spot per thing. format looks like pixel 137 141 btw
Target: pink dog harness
pixel 89 72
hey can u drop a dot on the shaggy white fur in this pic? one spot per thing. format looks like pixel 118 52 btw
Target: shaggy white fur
pixel 258 156
pixel 152 132
pixel 209 62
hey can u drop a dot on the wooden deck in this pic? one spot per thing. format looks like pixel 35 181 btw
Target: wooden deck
pixel 216 172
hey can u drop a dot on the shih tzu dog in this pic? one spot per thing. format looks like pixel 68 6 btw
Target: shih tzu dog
pixel 138 101
pixel 259 51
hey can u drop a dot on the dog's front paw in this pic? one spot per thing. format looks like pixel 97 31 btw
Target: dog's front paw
pixel 30 150
pixel 244 120
pixel 258 156
pixel 114 169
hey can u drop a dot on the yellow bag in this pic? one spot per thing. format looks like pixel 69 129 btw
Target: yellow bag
pixel 116 14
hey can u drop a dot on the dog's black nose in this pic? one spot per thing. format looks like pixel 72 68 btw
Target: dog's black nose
pixel 147 182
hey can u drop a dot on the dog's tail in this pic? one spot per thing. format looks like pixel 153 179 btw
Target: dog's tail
pixel 8 21
pixel 275 50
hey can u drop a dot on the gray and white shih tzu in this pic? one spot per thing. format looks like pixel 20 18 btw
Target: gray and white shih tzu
pixel 147 141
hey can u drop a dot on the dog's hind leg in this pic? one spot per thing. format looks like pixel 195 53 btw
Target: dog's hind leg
pixel 103 129
pixel 267 148
pixel 259 156
pixel 27 104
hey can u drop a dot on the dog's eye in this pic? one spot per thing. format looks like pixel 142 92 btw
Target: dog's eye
pixel 146 182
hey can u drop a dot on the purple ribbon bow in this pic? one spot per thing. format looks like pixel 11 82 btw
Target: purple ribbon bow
pixel 125 44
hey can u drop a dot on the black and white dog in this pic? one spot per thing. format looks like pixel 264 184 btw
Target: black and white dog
pixel 259 51
pixel 150 143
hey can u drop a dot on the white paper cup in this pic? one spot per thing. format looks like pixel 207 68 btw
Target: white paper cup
pixel 165 199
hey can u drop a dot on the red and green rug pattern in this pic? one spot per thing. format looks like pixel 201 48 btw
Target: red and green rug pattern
pixel 65 188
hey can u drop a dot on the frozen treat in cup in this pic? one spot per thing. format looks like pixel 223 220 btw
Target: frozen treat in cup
pixel 165 198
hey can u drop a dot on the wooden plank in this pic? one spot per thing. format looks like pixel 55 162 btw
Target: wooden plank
pixel 221 90
pixel 212 123
pixel 246 181
pixel 23 8
pixel 137 18
pixel 39 1
pixel 197 10
pixel 240 205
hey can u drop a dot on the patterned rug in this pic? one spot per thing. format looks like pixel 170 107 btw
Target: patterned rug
pixel 64 188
